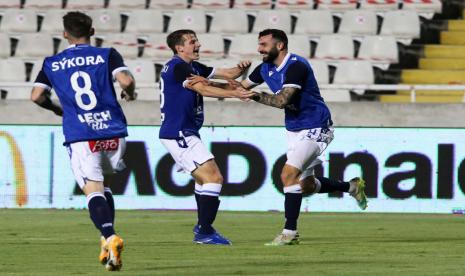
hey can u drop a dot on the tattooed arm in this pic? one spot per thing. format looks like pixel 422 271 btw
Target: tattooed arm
pixel 280 100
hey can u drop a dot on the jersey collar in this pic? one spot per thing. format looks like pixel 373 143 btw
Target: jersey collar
pixel 77 45
pixel 281 66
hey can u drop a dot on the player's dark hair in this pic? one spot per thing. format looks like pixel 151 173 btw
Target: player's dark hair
pixel 176 38
pixel 78 24
pixel 275 34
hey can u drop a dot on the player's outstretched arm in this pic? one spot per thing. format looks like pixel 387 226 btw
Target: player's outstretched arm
pixel 234 72
pixel 280 100
pixel 207 90
pixel 128 84
pixel 41 98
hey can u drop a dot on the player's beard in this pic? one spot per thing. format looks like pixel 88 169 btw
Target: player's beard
pixel 271 55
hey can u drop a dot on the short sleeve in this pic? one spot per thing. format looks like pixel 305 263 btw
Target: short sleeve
pixel 182 71
pixel 42 81
pixel 296 75
pixel 115 62
pixel 256 77
pixel 204 70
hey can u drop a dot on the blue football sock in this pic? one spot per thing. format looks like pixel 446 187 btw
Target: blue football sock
pixel 330 185
pixel 100 213
pixel 292 202
pixel 111 203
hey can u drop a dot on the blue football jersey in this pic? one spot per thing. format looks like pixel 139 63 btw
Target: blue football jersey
pixel 181 108
pixel 307 108
pixel 82 77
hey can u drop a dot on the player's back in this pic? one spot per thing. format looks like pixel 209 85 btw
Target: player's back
pixel 82 78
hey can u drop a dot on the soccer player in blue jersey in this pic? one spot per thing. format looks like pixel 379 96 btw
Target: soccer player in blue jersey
pixel 308 124
pixel 182 116
pixel 94 125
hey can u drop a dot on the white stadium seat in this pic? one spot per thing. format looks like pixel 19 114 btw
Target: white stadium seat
pixel 358 22
pixel 401 24
pixel 10 4
pixel 299 45
pixel 43 4
pixel 125 4
pixel 335 47
pixel 84 4
pixel 320 70
pixel 354 72
pixel 188 19
pixel 294 5
pixel 156 47
pixel 142 69
pixel 34 45
pixel 36 67
pixel 252 4
pixel 20 21
pixel 145 22
pixel 272 19
pixel 210 4
pixel 233 21
pixel 336 5
pixel 126 44
pixel 244 46
pixel 379 49
pixel 12 70
pixel 426 8
pixel 335 95
pixel 5 50
pixel 144 72
pixel 168 4
pixel 53 21
pixel 314 22
pixel 379 5
pixel 106 21
pixel 212 45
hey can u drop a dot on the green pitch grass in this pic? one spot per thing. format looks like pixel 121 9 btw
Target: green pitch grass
pixel 64 242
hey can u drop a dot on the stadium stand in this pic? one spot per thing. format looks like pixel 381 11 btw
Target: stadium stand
pixel 335 47
pixel 358 22
pixel 84 4
pixel 405 41
pixel 168 5
pixel 274 19
pixel 293 5
pixel 106 20
pixel 42 4
pixel 18 21
pixel 188 19
pixel 314 22
pixel 144 22
pixel 211 4
pixel 233 21
pixel 127 5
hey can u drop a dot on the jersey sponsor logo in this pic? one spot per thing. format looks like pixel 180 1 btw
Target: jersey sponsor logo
pixel 104 145
pixel 18 164
pixel 66 63
pixel 96 120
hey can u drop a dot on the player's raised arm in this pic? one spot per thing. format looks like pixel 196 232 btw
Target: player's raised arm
pixel 207 90
pixel 232 73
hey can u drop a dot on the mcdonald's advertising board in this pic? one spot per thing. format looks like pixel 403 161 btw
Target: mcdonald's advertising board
pixel 406 169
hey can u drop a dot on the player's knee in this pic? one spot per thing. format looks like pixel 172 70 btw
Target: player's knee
pixel 288 178
pixel 308 187
pixel 216 178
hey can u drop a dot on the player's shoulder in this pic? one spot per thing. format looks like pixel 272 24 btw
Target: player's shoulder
pixel 296 62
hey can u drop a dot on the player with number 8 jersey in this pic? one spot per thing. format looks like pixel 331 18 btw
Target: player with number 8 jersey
pixel 94 125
